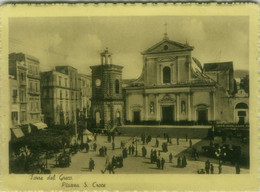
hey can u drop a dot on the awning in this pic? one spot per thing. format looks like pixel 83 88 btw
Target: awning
pixel 17 132
pixel 40 125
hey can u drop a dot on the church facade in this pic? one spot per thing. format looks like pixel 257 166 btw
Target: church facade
pixel 168 92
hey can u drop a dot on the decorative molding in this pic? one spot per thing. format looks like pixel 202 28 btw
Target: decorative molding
pixel 136 106
pixel 167 99
pixel 167 59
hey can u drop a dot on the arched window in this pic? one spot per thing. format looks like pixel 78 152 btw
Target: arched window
pixel 241 106
pixel 166 75
pixel 117 86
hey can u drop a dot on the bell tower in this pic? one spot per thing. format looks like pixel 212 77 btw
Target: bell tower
pixel 107 98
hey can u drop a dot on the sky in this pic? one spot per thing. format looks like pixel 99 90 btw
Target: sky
pixel 78 41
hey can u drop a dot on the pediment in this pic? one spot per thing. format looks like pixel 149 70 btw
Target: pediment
pixel 167 99
pixel 167 46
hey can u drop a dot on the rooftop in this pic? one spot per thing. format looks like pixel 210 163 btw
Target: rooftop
pixel 221 66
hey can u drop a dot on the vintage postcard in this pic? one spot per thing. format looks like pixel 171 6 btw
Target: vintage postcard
pixel 129 97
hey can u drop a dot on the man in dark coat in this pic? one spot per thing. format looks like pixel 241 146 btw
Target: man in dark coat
pixel 94 146
pixel 184 161
pixel 179 162
pixel 237 169
pixel 113 145
pixel 157 143
pixel 190 143
pixel 143 151
pixel 129 150
pixel 170 157
pixel 177 140
pixel 91 164
pixel 158 163
pixel 162 163
pixel 151 156
pixel 211 169
pixel 133 149
pixel 87 147
pixel 220 168
pixel 207 166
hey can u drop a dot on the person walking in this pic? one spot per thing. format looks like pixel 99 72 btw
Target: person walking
pixel 91 164
pixel 157 143
pixel 177 140
pixel 170 157
pixel 129 150
pixel 87 147
pixel 207 166
pixel 143 151
pixel 113 145
pixel 190 143
pixel 220 168
pixel 151 156
pixel 179 162
pixel 186 136
pixel 158 163
pixel 184 161
pixel 162 163
pixel 211 168
pixel 94 146
pixel 237 168
pixel 133 149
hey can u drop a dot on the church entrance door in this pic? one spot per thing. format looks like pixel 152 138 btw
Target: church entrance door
pixel 167 114
pixel 137 117
pixel 203 116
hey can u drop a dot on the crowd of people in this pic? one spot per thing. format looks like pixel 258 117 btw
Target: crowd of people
pixel 130 147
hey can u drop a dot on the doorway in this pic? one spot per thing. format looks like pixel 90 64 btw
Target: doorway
pixel 137 117
pixel 203 116
pixel 167 114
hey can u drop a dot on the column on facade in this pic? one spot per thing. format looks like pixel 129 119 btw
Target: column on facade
pixel 177 70
pixel 112 114
pixel 160 74
pixel 157 107
pixel 190 106
pixel 212 103
pixel 172 65
pixel 177 107
pixel 189 67
pixel 157 75
pixel 127 107
pixel 146 106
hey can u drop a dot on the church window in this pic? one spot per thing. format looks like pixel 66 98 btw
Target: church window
pixel 165 47
pixel 117 86
pixel 166 75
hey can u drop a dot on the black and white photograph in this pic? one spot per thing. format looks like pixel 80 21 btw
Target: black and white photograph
pixel 129 95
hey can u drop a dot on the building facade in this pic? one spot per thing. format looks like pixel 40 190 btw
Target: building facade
pixel 167 91
pixel 107 94
pixel 85 89
pixel 25 98
pixel 60 95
